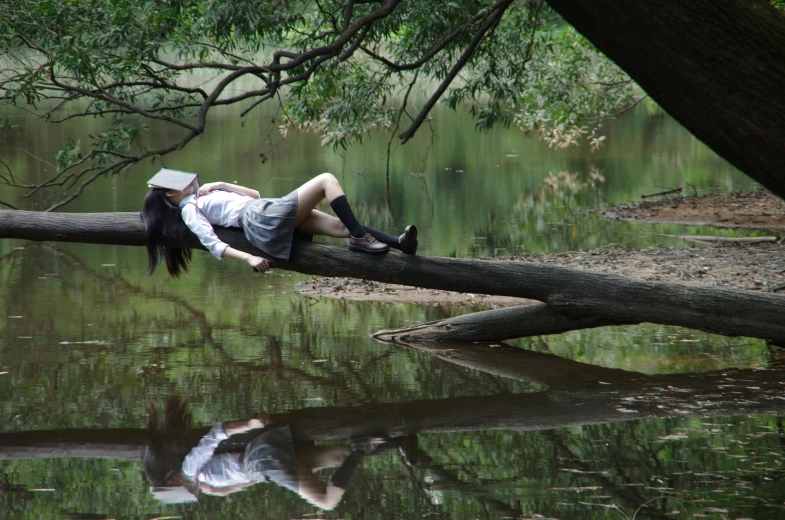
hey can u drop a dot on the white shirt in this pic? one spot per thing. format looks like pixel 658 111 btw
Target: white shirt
pixel 217 208
pixel 222 470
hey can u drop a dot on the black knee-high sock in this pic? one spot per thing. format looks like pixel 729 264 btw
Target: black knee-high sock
pixel 344 212
pixel 344 473
pixel 383 237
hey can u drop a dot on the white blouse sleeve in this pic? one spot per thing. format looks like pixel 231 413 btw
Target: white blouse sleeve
pixel 200 455
pixel 199 224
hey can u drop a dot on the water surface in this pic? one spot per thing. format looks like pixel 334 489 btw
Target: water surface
pixel 686 423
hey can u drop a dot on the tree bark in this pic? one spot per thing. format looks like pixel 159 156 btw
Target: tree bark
pixel 494 325
pixel 578 394
pixel 575 294
pixel 716 66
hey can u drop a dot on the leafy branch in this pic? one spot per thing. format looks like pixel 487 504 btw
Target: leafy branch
pixel 337 65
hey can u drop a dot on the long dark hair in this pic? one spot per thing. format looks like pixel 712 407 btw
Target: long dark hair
pixel 163 219
pixel 168 440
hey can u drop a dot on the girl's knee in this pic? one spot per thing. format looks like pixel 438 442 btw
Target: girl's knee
pixel 328 177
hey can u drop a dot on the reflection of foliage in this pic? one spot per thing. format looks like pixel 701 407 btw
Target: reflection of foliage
pixel 232 351
pixel 565 185
pixel 559 205
pixel 282 348
pixel 652 467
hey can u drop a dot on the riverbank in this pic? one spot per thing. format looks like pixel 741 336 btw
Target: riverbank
pixel 757 266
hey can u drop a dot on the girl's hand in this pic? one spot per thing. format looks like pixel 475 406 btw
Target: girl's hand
pixel 259 264
pixel 210 186
pixel 259 420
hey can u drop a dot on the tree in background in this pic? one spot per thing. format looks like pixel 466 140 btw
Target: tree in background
pixel 335 67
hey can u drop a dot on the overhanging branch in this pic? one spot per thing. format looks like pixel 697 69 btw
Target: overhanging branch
pixel 115 96
pixel 491 22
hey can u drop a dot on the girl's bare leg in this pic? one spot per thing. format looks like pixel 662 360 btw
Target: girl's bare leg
pixel 320 223
pixel 324 186
pixel 325 495
pixel 314 458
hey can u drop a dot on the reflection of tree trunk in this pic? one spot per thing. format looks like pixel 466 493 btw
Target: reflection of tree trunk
pixel 122 444
pixel 575 294
pixel 554 372
pixel 611 397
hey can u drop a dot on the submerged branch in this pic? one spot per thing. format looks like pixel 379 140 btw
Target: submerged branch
pixel 494 325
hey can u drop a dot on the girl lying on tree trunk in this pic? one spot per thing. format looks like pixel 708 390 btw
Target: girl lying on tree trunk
pixel 176 201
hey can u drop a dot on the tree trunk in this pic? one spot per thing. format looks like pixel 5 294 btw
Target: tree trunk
pixel 575 294
pixel 578 394
pixel 716 66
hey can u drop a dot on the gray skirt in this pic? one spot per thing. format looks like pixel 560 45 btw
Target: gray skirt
pixel 268 224
pixel 270 457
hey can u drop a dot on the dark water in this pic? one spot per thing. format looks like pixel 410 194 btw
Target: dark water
pixel 619 422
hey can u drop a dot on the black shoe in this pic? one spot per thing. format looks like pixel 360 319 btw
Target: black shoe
pixel 409 240
pixel 367 244
pixel 367 443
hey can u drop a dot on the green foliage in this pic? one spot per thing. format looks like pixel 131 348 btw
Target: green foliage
pixel 339 69
pixel 118 138
pixel 69 154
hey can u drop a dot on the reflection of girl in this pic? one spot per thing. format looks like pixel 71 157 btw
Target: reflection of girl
pixel 176 200
pixel 178 474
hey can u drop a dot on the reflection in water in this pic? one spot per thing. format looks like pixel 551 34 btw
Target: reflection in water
pixel 595 439
pixel 178 472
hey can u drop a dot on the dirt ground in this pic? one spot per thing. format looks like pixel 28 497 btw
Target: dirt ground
pixel 745 265
pixel 758 210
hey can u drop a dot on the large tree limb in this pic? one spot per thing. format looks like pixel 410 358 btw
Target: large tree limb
pixel 572 293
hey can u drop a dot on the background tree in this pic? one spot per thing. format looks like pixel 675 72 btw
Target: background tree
pixel 336 68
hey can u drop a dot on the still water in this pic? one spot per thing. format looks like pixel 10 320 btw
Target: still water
pixel 613 423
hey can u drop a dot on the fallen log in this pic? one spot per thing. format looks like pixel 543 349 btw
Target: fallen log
pixel 575 294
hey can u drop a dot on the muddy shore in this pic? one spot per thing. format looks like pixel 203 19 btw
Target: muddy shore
pixel 752 265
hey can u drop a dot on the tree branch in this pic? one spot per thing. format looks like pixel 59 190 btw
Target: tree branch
pixel 337 44
pixel 492 20
pixel 392 136
pixel 433 51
